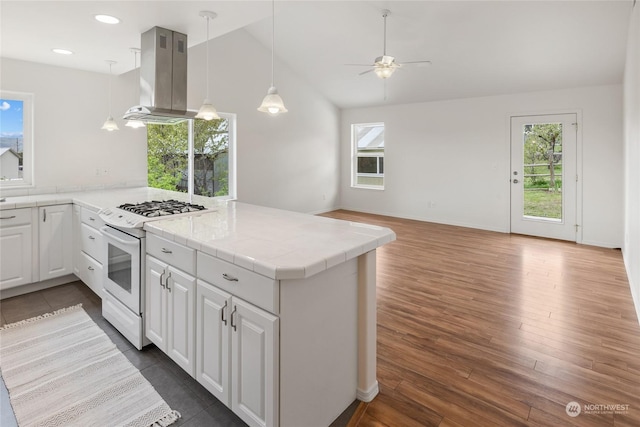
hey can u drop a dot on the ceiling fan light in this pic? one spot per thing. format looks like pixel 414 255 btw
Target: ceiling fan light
pixel 272 103
pixel 110 125
pixel 207 111
pixel 135 124
pixel 384 72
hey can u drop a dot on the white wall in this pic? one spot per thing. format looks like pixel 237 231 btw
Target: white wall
pixel 631 248
pixel 290 161
pixel 456 155
pixel 70 106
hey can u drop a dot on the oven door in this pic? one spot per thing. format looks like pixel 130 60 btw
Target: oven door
pixel 122 268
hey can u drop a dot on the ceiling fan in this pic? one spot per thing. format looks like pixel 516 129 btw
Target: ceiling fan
pixel 384 66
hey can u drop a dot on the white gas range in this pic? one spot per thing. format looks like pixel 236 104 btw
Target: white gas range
pixel 124 270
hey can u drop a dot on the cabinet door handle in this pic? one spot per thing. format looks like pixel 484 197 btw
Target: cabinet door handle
pixel 229 277
pixel 222 314
pixel 166 282
pixel 233 325
pixel 44 215
pixel 7 217
pixel 90 268
pixel 161 283
pixel 166 251
pixel 92 238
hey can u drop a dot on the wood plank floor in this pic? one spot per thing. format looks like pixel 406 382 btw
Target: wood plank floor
pixel 477 328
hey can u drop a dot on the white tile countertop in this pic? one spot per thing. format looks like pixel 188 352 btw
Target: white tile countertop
pixel 275 243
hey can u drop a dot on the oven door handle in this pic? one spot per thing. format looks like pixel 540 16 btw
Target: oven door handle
pixel 107 232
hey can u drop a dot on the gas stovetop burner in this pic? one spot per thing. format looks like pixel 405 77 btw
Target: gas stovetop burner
pixel 161 208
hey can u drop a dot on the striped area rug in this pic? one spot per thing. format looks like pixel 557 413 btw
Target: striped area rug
pixel 61 369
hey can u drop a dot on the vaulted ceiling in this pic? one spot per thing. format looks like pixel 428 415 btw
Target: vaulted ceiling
pixel 477 48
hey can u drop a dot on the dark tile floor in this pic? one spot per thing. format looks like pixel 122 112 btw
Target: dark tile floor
pixel 181 392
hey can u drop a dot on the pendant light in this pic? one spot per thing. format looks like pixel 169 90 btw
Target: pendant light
pixel 272 103
pixel 207 111
pixel 110 124
pixel 136 124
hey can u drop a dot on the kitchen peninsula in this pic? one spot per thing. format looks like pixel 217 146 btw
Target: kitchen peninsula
pixel 273 312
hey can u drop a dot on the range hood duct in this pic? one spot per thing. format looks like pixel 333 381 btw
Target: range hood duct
pixel 163 78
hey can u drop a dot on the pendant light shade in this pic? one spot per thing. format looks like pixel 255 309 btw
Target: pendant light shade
pixel 135 124
pixel 110 125
pixel 272 103
pixel 207 111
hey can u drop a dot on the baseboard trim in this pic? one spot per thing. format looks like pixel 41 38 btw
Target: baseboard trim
pixel 368 395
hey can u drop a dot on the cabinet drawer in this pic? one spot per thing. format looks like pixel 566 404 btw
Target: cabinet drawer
pixel 172 253
pixel 91 218
pixel 91 273
pixel 10 217
pixel 91 242
pixel 253 287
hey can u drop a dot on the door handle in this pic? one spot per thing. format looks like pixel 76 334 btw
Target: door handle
pixel 166 282
pixel 44 215
pixel 222 315
pixel 161 283
pixel 233 325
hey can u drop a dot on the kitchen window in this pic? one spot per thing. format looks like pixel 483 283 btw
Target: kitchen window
pixel 16 139
pixel 194 156
pixel 367 166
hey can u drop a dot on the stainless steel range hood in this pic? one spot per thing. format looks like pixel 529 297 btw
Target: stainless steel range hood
pixel 163 78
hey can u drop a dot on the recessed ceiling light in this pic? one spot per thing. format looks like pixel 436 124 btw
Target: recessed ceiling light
pixel 62 51
pixel 107 19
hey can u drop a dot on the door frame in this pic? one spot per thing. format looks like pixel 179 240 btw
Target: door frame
pixel 579 161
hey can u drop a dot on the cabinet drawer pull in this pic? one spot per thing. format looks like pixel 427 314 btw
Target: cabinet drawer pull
pixel 92 238
pixel 44 215
pixel 161 282
pixel 90 268
pixel 166 251
pixel 229 277
pixel 7 217
pixel 91 218
pixel 233 325
pixel 222 314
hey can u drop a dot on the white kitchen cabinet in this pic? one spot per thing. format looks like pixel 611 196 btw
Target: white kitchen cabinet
pixel 237 354
pixel 15 247
pixel 75 225
pixel 254 364
pixel 170 312
pixel 56 243
pixel 89 248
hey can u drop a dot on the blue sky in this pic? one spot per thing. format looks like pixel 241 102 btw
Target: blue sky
pixel 10 117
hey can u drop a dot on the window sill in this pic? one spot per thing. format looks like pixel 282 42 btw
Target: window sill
pixel 368 187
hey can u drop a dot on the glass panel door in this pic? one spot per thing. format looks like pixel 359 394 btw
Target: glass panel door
pixel 119 267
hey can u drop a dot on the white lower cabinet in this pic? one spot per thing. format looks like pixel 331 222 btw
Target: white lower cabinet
pixel 237 354
pixel 170 312
pixel 55 235
pixel 15 247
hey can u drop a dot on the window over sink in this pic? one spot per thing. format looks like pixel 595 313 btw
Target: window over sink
pixel 194 156
pixel 16 139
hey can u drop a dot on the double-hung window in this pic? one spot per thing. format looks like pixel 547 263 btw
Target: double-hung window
pixel 16 139
pixel 367 167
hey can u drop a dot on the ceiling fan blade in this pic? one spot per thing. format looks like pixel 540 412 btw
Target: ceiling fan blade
pixel 365 72
pixel 361 65
pixel 423 63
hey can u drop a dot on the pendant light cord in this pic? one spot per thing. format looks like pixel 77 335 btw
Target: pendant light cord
pixel 110 78
pixel 273 38
pixel 207 67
